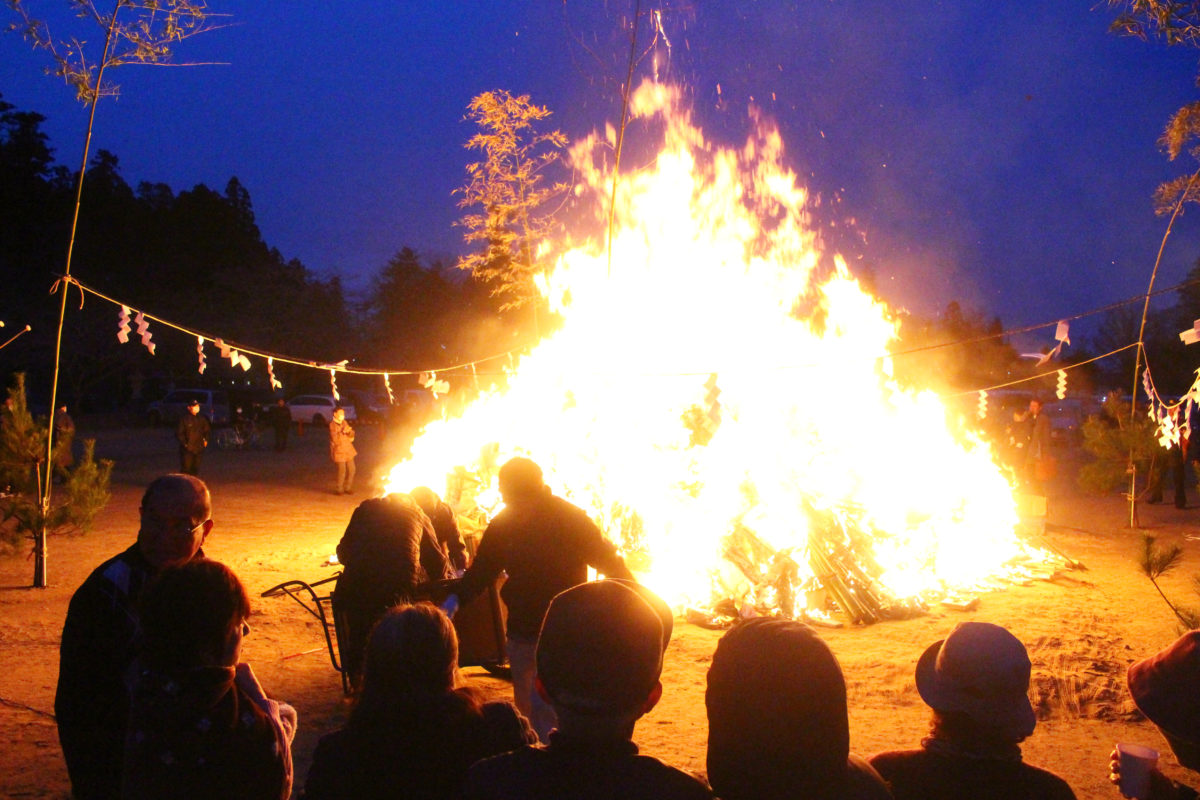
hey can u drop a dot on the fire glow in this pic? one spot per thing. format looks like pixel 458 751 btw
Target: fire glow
pixel 684 398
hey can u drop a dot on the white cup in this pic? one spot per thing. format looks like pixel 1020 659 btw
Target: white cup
pixel 1136 764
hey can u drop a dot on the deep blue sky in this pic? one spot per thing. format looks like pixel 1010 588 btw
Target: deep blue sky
pixel 1001 154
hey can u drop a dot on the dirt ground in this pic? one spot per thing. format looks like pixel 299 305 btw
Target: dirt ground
pixel 276 519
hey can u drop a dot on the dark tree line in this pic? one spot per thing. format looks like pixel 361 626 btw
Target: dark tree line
pixel 197 258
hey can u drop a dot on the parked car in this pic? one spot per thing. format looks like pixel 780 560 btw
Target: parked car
pixel 318 408
pixel 371 407
pixel 1067 418
pixel 214 404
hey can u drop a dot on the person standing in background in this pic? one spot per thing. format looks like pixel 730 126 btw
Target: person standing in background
pixel 192 434
pixel 64 438
pixel 281 420
pixel 342 452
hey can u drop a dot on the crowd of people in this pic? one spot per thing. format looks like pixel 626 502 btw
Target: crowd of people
pixel 155 701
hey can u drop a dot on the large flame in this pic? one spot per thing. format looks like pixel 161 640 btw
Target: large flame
pixel 685 396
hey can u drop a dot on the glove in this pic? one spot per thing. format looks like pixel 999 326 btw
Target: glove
pixel 450 606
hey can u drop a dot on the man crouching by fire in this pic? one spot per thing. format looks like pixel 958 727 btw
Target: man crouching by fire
pixel 389 554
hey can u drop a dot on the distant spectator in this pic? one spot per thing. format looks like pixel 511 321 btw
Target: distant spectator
pixel 599 658
pixel 444 525
pixel 98 638
pixel 1040 464
pixel 200 724
pixel 192 433
pixel 976 680
pixel 1166 688
pixel 545 545
pixel 777 722
pixel 389 554
pixel 280 417
pixel 64 439
pixel 415 729
pixel 341 451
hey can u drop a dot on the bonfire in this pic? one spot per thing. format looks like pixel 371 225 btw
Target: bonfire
pixel 720 400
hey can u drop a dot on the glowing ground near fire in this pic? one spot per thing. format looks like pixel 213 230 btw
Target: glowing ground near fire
pixel 720 399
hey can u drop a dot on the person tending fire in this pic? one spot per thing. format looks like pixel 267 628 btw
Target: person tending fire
pixel 546 545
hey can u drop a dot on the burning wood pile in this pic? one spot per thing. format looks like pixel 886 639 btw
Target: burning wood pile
pixel 842 577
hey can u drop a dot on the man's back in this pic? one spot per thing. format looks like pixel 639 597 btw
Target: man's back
pixel 388 550
pixel 583 769
pixel 98 646
pixel 545 546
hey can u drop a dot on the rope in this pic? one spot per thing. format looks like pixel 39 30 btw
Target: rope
pixel 276 356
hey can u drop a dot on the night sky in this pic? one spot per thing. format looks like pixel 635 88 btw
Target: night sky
pixel 999 154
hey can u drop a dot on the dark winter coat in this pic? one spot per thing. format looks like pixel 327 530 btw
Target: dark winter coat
pixel 567 769
pixel 98 647
pixel 421 754
pixel 929 775
pixel 545 545
pixel 389 551
pixel 192 432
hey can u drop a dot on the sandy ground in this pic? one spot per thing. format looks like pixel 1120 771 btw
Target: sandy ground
pixel 276 520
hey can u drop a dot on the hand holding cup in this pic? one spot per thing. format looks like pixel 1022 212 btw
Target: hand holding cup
pixel 1132 767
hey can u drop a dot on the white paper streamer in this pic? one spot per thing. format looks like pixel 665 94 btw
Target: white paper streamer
pixel 437 387
pixel 123 325
pixel 143 329
pixel 271 374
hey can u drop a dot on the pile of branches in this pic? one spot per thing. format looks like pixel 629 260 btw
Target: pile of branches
pixel 843 576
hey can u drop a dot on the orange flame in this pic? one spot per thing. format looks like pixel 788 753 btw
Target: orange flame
pixel 683 397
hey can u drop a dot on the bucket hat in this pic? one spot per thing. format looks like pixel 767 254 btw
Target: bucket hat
pixel 980 670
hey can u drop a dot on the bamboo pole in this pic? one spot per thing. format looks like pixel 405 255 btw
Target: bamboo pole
pixel 1137 358
pixel 40 576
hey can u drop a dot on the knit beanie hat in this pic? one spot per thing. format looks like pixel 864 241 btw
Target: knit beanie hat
pixel 600 649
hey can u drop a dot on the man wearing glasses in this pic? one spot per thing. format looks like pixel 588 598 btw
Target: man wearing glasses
pixel 99 636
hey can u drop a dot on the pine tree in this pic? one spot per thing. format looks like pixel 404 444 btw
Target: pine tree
pixel 22 464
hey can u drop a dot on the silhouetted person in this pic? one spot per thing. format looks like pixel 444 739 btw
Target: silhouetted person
pixel 976 680
pixel 98 638
pixel 192 433
pixel 599 658
pixel 280 417
pixel 546 545
pixel 64 437
pixel 1039 464
pixel 200 724
pixel 444 525
pixel 389 554
pixel 415 729
pixel 777 722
